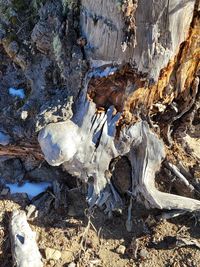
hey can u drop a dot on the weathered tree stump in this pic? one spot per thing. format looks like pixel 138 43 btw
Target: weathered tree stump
pixel 160 42
pixel 142 80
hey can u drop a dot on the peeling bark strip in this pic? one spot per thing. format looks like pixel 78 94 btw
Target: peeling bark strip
pixel 24 247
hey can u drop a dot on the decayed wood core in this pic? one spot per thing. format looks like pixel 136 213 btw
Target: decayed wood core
pixel 130 92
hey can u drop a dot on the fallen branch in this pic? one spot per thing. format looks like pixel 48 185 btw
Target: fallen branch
pixel 170 242
pixel 25 251
pixel 181 184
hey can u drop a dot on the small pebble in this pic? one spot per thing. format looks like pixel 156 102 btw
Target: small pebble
pixel 52 254
pixel 72 264
pixel 5 191
pixel 24 195
pixel 121 249
pixel 143 253
pixel 13 48
pixel 32 213
pixel 4 139
pixel 95 262
pixel 67 256
pixel 24 115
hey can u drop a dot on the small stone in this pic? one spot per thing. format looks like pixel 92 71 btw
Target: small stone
pixel 72 264
pixel 52 254
pixel 4 139
pixel 143 253
pixel 5 191
pixel 67 256
pixel 32 213
pixel 24 115
pixel 193 144
pixel 150 221
pixel 13 48
pixel 121 249
pixel 95 262
pixel 24 195
pixel 52 262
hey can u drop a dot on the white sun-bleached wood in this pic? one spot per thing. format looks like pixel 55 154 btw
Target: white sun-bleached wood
pixel 25 251
pixel 86 144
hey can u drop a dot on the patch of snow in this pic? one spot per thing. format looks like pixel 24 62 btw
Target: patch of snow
pixel 102 73
pixel 4 139
pixel 94 64
pixel 17 92
pixel 31 189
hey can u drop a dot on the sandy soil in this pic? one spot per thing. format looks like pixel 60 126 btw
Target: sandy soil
pixel 95 240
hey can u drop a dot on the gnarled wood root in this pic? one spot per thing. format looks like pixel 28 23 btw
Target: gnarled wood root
pixel 85 146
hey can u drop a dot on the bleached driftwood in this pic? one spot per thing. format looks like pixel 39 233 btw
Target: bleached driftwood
pixel 86 144
pixel 25 251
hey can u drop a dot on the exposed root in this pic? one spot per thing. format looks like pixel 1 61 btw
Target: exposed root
pixel 22 150
pixel 94 149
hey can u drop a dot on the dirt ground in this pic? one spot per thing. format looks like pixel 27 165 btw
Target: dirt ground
pixel 93 239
